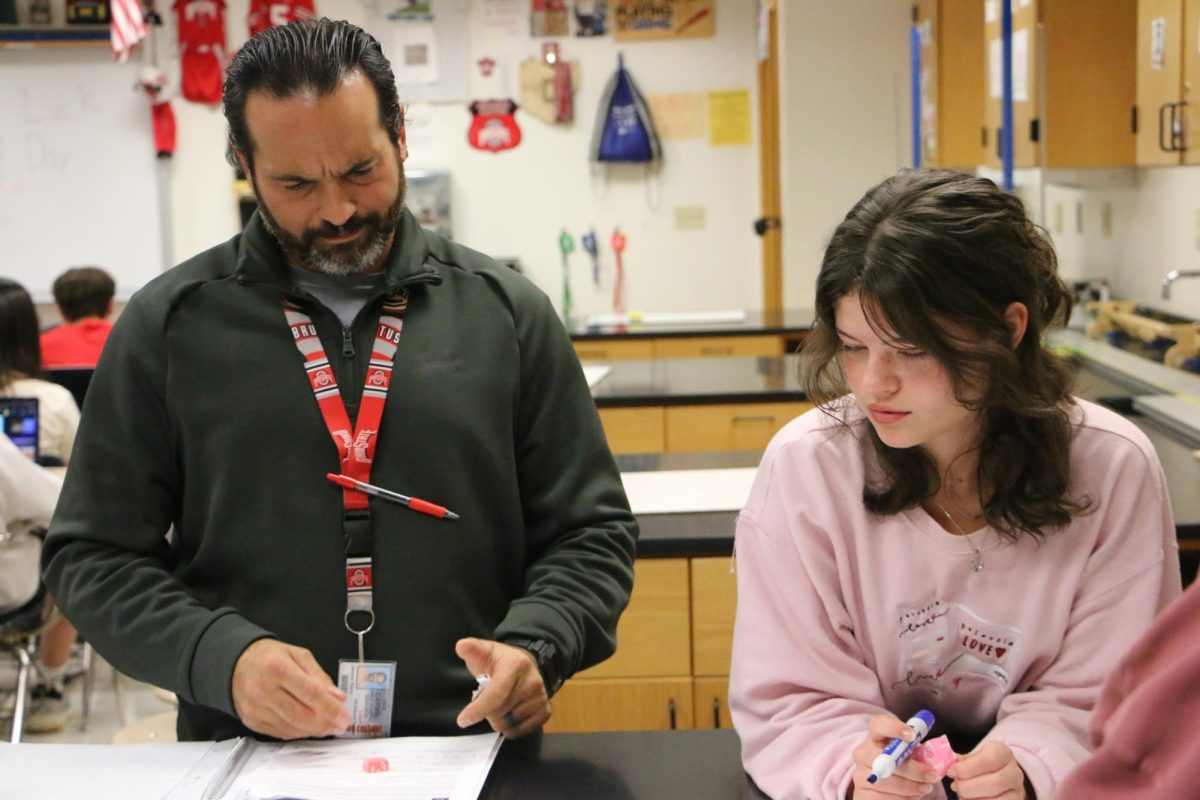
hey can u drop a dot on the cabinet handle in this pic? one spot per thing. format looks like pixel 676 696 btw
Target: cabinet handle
pixel 717 350
pixel 671 711
pixel 716 712
pixel 1177 131
pixel 1162 126
pixel 769 418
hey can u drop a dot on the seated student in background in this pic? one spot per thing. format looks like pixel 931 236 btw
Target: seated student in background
pixel 957 533
pixel 58 417
pixel 1144 726
pixel 20 366
pixel 84 296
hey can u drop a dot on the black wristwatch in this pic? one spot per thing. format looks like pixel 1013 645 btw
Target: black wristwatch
pixel 546 657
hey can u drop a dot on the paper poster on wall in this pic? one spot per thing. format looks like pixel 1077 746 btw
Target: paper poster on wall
pixel 678 116
pixel 548 18
pixel 729 117
pixel 1020 65
pixel 414 53
pixel 425 145
pixel 413 10
pixel 591 17
pixel 431 57
pixel 665 19
pixel 428 198
pixel 995 70
pixel 503 19
pixel 1158 43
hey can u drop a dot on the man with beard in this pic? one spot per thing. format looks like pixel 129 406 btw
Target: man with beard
pixel 335 337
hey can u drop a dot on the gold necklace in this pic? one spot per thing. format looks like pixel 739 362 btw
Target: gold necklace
pixel 976 561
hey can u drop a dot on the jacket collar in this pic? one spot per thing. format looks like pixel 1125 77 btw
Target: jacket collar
pixel 260 259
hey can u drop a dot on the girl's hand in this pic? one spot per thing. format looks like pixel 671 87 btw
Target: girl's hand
pixel 990 772
pixel 911 779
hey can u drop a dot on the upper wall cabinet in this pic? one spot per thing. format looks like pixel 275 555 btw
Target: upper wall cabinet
pixel 951 82
pixel 1168 76
pixel 1073 78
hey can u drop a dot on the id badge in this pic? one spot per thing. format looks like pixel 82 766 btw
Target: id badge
pixel 369 687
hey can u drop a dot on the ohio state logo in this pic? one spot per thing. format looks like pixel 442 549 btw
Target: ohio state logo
pixel 493 126
pixel 321 378
pixel 377 378
pixel 358 577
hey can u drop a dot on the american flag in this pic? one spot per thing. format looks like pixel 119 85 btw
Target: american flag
pixel 128 26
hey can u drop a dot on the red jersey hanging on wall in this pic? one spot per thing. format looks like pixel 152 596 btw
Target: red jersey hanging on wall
pixel 201 25
pixel 272 13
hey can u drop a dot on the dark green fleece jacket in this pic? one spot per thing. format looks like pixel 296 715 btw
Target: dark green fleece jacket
pixel 200 417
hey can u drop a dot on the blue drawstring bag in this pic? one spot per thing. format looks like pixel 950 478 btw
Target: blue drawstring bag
pixel 624 129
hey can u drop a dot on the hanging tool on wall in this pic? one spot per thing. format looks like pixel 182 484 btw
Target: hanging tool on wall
pixel 547 86
pixel 566 245
pixel 618 247
pixel 588 240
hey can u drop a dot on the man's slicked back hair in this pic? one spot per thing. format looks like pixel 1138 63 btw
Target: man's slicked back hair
pixel 306 56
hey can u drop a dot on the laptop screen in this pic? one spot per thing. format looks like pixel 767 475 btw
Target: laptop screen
pixel 19 419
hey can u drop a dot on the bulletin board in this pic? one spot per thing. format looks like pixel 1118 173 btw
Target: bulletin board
pixel 78 173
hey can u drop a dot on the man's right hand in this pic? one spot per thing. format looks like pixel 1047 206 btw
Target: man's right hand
pixel 280 690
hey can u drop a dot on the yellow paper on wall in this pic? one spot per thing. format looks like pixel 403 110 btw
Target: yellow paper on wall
pixel 729 117
pixel 677 116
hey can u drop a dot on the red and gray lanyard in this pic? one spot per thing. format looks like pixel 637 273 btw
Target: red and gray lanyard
pixel 356 450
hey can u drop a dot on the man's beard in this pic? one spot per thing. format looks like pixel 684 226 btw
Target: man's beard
pixel 349 258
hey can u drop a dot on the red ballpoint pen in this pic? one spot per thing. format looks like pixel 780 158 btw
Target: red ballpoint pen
pixel 415 503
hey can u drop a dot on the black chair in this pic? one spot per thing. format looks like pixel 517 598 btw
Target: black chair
pixel 19 631
pixel 74 380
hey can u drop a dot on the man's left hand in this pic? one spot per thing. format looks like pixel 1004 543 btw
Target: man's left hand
pixel 990 771
pixel 515 701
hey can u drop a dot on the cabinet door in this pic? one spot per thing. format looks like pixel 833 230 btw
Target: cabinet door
pixel 1025 66
pixel 634 430
pixel 1191 81
pixel 1090 68
pixel 714 601
pixel 961 84
pixel 718 346
pixel 653 636
pixel 736 426
pixel 651 704
pixel 593 350
pixel 712 703
pixel 1159 73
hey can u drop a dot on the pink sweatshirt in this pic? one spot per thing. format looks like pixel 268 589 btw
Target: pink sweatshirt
pixel 1145 721
pixel 843 615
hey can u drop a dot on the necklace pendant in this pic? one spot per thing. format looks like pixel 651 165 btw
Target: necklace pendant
pixel 976 562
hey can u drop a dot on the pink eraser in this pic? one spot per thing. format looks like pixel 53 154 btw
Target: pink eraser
pixel 375 764
pixel 937 753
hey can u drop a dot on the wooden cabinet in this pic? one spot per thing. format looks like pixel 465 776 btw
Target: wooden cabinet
pixel 736 426
pixel 671 668
pixel 718 346
pixel 714 601
pixel 952 82
pixel 680 347
pixel 615 350
pixel 630 704
pixel 1074 82
pixel 634 430
pixel 1168 76
pixel 647 684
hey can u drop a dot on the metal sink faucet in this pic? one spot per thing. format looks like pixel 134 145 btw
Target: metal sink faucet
pixel 1175 275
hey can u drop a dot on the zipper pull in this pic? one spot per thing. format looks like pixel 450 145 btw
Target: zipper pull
pixel 347 343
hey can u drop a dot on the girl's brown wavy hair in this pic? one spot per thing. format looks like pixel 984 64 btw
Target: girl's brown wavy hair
pixel 936 257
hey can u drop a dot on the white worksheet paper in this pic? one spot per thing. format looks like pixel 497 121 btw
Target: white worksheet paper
pixel 419 768
pixel 688 490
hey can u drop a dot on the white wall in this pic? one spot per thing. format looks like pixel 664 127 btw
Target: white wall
pixel 515 203
pixel 845 119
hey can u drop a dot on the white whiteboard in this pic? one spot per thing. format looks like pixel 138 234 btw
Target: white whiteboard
pixel 78 173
